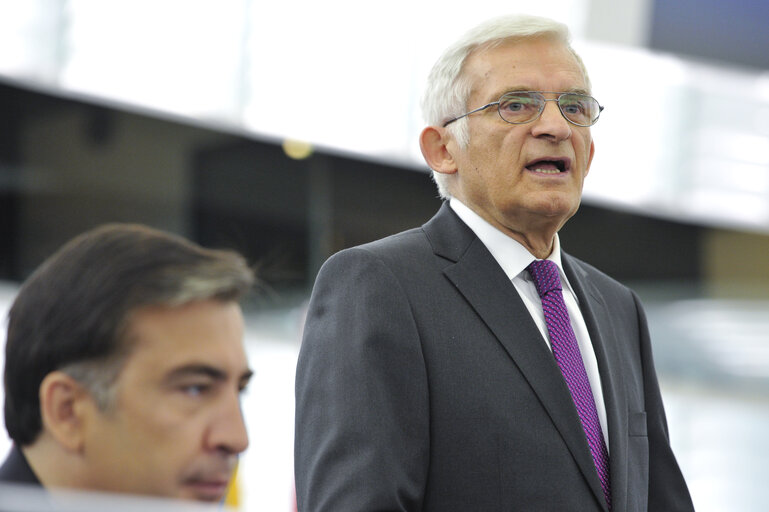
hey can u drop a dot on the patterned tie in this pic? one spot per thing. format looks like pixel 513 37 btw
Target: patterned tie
pixel 567 355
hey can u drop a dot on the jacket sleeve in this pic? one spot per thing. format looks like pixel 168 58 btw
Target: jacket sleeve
pixel 362 435
pixel 667 487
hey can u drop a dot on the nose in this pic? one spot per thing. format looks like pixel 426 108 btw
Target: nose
pixel 228 432
pixel 551 123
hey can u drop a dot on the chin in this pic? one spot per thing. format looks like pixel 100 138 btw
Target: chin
pixel 557 208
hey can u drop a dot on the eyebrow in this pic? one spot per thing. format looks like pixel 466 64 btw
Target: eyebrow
pixel 205 370
pixel 572 90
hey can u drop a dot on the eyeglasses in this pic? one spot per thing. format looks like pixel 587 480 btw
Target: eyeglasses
pixel 520 107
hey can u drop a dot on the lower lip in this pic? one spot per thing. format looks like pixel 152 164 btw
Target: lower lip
pixel 208 491
pixel 549 174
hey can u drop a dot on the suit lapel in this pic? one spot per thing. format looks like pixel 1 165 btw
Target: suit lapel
pixel 487 289
pixel 603 335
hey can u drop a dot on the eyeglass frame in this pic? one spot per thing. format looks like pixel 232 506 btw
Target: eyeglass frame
pixel 542 93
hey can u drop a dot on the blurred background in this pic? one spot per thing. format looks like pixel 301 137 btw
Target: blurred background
pixel 288 130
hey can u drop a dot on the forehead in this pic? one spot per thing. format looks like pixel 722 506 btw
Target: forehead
pixel 539 64
pixel 161 338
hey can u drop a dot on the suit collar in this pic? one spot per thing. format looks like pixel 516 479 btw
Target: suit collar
pixel 483 283
pixel 509 253
pixel 443 224
pixel 448 235
pixel 604 336
pixel 16 469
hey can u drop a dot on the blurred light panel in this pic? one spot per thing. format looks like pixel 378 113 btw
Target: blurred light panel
pixel 178 56
pixel 348 76
pixel 628 168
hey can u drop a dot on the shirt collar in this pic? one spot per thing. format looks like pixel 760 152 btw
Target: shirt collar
pixel 511 255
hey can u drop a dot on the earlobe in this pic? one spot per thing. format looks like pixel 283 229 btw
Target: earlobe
pixel 61 408
pixel 434 144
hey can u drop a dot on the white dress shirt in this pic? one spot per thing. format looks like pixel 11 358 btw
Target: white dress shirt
pixel 514 258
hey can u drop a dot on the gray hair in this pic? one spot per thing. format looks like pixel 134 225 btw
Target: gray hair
pixel 448 90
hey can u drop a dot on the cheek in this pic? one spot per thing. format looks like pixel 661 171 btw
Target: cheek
pixel 154 419
pixel 584 151
pixel 170 453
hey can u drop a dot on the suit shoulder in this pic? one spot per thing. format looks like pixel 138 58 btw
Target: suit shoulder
pixel 392 249
pixel 409 240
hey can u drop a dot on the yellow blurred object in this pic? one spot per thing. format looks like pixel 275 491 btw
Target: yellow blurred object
pixel 232 499
pixel 297 149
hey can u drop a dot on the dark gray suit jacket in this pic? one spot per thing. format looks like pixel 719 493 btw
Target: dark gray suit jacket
pixel 16 470
pixel 424 384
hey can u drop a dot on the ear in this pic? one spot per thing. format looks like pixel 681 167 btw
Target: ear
pixel 434 144
pixel 590 157
pixel 63 403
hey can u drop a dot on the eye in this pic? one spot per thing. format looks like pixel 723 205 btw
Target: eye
pixel 513 105
pixel 573 107
pixel 519 103
pixel 195 389
pixel 579 108
pixel 519 107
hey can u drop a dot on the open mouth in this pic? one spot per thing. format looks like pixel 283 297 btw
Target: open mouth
pixel 548 166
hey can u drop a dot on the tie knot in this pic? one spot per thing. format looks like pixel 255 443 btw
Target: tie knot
pixel 546 276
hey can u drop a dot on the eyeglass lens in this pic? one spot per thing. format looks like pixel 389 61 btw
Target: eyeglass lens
pixel 522 107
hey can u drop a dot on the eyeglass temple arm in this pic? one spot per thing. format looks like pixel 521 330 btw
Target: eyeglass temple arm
pixel 471 112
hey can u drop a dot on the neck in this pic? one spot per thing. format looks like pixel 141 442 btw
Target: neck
pixel 536 232
pixel 52 465
pixel 538 239
pixel 540 247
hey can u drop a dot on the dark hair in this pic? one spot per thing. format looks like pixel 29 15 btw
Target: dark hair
pixel 74 308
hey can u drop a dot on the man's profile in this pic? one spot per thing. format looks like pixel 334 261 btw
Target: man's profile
pixel 124 367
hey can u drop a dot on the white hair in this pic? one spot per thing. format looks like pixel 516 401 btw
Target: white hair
pixel 447 90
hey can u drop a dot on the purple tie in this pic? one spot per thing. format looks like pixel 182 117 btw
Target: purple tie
pixel 567 355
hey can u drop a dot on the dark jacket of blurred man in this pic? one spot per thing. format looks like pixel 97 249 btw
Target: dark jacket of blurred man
pixel 124 366
pixel 427 378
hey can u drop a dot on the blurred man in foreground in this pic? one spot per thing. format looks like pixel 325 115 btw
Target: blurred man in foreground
pixel 124 367
pixel 470 364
